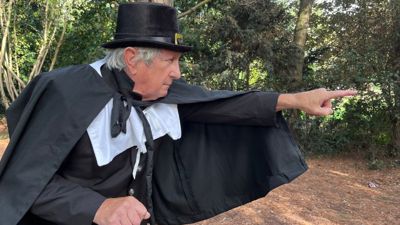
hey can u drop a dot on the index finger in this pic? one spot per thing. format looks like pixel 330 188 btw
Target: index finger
pixel 341 93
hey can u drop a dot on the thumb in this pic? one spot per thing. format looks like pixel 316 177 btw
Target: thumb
pixel 147 215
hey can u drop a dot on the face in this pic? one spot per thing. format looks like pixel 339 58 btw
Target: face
pixel 153 80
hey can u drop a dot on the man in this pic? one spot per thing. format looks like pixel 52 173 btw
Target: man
pixel 126 141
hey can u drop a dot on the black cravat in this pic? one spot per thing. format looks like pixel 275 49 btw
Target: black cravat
pixel 124 100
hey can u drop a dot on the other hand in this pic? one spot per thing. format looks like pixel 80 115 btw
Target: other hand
pixel 121 211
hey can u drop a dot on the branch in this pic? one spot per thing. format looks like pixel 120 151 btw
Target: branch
pixel 59 43
pixel 47 48
pixel 8 79
pixel 16 77
pixel 5 33
pixel 2 10
pixel 193 9
pixel 42 51
pixel 14 43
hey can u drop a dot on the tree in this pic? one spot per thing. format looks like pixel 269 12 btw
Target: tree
pixel 42 34
pixel 92 26
pixel 395 64
pixel 28 31
pixel 236 44
pixel 171 3
pixel 352 46
pixel 240 45
pixel 299 41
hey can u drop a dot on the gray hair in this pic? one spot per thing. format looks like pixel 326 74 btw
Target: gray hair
pixel 115 57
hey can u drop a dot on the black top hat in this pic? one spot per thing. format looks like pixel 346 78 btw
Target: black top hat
pixel 147 25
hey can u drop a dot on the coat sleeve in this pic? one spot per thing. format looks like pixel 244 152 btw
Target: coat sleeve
pixel 66 203
pixel 253 109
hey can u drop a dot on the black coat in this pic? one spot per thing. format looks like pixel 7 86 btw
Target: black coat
pixel 211 169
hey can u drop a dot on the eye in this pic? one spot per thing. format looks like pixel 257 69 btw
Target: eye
pixel 169 60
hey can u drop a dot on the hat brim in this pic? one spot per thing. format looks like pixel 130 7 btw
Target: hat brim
pixel 122 43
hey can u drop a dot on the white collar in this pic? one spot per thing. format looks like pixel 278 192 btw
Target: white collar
pixel 163 119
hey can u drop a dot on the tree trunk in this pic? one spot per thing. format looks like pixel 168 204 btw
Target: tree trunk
pixel 47 24
pixel 395 64
pixel 5 31
pixel 296 57
pixel 299 41
pixel 59 43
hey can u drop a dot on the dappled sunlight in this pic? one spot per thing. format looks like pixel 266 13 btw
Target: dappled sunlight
pixel 338 173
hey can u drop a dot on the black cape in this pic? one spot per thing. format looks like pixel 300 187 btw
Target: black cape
pixel 211 169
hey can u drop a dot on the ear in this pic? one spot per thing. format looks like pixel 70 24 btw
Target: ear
pixel 129 59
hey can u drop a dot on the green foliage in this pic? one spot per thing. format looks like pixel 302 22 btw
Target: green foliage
pixel 27 26
pixel 94 24
pixel 376 164
pixel 241 45
pixel 245 45
pixel 353 45
pixel 236 44
pixel 88 25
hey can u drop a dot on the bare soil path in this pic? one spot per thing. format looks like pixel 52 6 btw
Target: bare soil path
pixel 333 191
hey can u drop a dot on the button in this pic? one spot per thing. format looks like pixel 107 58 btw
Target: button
pixel 131 192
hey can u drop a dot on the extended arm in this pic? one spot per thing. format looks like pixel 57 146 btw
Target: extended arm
pixel 259 108
pixel 254 108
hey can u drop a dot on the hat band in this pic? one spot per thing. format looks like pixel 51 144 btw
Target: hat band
pixel 169 40
pixel 176 39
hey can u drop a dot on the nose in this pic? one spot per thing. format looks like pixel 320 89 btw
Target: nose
pixel 176 73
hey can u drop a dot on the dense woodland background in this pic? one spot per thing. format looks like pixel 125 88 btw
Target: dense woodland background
pixel 241 45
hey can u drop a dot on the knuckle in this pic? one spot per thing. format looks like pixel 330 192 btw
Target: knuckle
pixel 111 220
pixel 125 204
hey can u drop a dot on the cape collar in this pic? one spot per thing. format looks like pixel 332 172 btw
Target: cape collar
pixel 120 82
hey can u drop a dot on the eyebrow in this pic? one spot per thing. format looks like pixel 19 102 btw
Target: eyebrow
pixel 170 57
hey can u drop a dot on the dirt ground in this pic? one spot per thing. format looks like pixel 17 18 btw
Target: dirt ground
pixel 333 191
